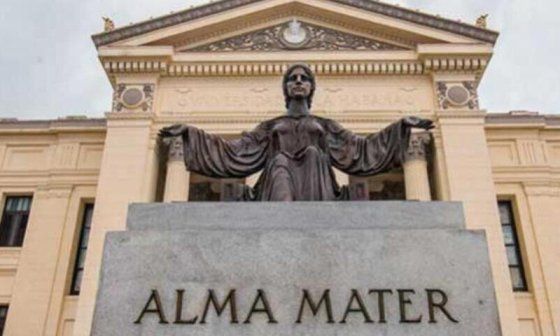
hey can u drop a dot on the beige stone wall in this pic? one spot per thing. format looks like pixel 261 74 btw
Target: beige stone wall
pixel 526 169
pixel 58 164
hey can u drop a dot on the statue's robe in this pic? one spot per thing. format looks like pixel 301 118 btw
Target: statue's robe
pixel 296 155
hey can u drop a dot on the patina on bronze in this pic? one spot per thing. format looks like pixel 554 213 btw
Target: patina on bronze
pixel 297 151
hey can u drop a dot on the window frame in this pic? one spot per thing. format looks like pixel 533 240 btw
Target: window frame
pixel 3 204
pixel 78 247
pixel 517 244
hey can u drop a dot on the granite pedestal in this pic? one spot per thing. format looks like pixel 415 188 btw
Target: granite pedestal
pixel 346 268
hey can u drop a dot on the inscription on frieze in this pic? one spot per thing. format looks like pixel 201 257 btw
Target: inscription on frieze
pixel 262 95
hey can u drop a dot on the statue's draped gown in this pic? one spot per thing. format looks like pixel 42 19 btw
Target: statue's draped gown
pixel 296 155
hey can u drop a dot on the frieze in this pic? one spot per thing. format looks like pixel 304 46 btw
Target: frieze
pixel 190 100
pixel 48 192
pixel 296 35
pixel 544 190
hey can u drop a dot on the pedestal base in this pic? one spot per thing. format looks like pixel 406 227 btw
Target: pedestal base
pixel 328 271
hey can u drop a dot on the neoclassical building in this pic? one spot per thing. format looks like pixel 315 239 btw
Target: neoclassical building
pixel 64 183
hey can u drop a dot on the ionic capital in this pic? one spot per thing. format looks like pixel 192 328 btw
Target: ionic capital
pixel 418 146
pixel 176 150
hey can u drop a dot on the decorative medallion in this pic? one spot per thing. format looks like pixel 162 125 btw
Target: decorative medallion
pixel 296 35
pixel 133 97
pixel 457 95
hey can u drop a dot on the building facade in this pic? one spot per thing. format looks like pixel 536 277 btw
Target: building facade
pixel 65 183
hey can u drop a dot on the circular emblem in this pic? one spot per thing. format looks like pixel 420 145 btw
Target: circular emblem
pixel 295 35
pixel 132 97
pixel 458 95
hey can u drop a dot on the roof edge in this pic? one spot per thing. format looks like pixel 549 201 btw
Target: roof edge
pixel 45 124
pixel 460 28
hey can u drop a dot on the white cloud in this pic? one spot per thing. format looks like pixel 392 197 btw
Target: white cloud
pixel 49 66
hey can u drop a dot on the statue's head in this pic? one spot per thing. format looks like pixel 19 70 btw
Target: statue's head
pixel 299 83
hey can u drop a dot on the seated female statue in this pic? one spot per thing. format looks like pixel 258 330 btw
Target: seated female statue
pixel 296 151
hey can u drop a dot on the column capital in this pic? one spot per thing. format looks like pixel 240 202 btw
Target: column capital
pixel 175 149
pixel 417 146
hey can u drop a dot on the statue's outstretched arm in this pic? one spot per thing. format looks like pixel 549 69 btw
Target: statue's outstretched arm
pixel 210 155
pixel 375 153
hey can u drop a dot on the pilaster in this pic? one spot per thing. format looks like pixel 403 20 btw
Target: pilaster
pixel 33 288
pixel 543 200
pixel 466 160
pixel 128 174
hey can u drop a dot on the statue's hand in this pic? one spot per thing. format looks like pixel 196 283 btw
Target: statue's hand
pixel 415 122
pixel 172 131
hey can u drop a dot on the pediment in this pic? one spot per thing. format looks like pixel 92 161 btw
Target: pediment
pixel 369 25
pixel 296 35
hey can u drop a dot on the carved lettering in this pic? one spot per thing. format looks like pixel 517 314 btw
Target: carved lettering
pixel 261 297
pixel 325 298
pixel 404 301
pixel 179 310
pixel 155 298
pixel 440 305
pixel 381 302
pixel 230 299
pixel 355 297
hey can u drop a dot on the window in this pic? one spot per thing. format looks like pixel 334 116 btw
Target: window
pixel 14 220
pixel 3 315
pixel 513 251
pixel 81 250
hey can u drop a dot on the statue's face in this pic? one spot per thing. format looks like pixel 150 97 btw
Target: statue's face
pixel 299 84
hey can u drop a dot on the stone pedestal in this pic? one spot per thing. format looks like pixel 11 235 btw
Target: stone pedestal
pixel 346 268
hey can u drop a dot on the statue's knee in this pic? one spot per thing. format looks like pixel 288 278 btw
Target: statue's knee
pixel 280 160
pixel 312 151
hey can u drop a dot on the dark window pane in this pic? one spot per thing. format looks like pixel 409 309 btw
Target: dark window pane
pixel 77 282
pixel 513 258
pixel 517 279
pixel 14 220
pixel 508 234
pixel 505 213
pixel 81 250
pixel 3 316
pixel 85 236
pixel 513 251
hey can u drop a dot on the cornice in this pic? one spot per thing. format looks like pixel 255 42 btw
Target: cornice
pixel 460 114
pixel 253 118
pixel 528 120
pixel 56 125
pixel 395 64
pixel 367 5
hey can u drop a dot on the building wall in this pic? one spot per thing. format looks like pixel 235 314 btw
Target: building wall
pixel 57 163
pixel 526 168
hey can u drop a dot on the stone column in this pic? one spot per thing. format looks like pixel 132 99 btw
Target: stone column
pixel 177 180
pixel 417 184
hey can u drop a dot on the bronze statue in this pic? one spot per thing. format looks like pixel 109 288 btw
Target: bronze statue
pixel 297 151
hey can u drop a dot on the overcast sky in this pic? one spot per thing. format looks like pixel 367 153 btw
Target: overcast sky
pixel 49 68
